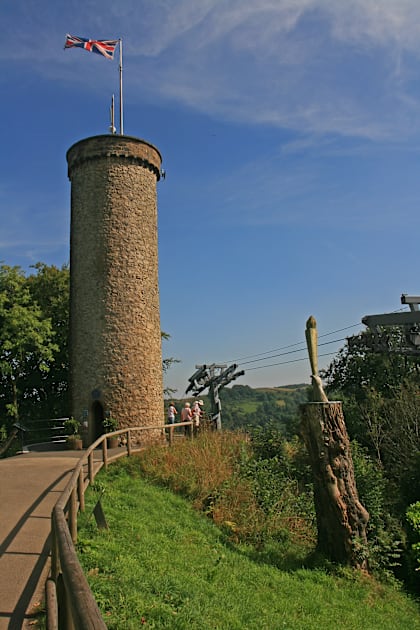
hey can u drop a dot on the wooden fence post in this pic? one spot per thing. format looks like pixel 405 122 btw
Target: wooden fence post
pixel 81 491
pixel 55 557
pixel 90 468
pixel 105 453
pixel 65 619
pixel 51 604
pixel 73 515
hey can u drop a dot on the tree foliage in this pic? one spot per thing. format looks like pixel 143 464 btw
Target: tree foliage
pixel 368 362
pixel 50 289
pixel 380 389
pixel 381 396
pixel 34 333
pixel 28 346
pixel 413 517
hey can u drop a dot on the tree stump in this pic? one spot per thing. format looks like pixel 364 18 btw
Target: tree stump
pixel 341 518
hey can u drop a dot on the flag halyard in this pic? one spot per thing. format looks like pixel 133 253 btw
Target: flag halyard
pixel 105 47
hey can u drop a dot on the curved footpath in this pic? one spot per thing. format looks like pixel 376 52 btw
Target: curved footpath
pixel 30 485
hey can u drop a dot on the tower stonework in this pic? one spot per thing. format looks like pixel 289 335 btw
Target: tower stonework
pixel 115 335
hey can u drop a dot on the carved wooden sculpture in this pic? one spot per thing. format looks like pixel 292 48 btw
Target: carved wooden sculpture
pixel 341 518
pixel 311 335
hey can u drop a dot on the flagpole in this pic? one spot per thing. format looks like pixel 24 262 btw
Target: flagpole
pixel 112 115
pixel 121 92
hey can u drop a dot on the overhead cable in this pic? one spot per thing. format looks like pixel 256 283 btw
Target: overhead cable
pixel 273 356
pixel 264 357
pixel 260 367
pixel 291 345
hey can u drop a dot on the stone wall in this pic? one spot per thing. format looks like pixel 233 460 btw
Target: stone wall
pixel 115 336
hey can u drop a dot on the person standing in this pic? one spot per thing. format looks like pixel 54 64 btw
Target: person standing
pixel 196 414
pixel 172 412
pixel 186 415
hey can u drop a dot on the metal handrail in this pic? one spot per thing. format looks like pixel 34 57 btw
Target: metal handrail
pixel 69 601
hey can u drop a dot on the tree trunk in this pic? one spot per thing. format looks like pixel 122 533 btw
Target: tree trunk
pixel 341 518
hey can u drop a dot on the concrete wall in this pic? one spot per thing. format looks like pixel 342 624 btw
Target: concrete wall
pixel 115 341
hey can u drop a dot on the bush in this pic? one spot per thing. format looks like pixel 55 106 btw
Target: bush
pixel 72 426
pixel 385 533
pixel 110 424
pixel 413 518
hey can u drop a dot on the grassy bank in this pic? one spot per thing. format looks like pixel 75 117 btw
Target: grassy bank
pixel 162 564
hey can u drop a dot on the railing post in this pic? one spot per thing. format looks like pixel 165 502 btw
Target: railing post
pixel 73 515
pixel 171 435
pixel 90 468
pixel 51 604
pixel 129 443
pixel 81 491
pixel 55 557
pixel 105 453
pixel 65 617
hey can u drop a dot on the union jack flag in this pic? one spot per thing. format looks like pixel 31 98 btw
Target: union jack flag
pixel 105 47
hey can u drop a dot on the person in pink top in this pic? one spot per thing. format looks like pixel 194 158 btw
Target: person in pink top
pixel 186 414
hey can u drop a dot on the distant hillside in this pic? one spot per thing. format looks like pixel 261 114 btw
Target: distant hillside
pixel 244 406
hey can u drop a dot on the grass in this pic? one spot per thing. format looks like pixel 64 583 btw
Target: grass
pixel 163 564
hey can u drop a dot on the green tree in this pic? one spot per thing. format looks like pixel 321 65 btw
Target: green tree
pixel 365 379
pixel 381 401
pixel 34 331
pixel 27 340
pixel 371 362
pixel 50 289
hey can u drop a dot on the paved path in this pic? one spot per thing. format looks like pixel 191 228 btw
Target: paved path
pixel 30 485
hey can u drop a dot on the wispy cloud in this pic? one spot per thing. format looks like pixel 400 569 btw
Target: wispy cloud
pixel 320 66
pixel 304 184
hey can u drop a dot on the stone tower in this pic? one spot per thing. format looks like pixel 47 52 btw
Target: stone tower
pixel 115 340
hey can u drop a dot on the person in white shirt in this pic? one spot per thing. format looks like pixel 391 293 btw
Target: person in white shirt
pixel 196 414
pixel 172 412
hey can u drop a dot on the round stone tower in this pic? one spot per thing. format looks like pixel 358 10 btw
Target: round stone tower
pixel 115 335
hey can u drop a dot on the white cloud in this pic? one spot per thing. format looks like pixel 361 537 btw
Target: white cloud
pixel 377 22
pixel 319 66
pixel 309 65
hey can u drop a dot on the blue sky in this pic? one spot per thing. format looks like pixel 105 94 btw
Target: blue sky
pixel 290 135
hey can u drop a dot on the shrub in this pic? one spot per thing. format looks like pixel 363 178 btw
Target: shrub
pixel 3 433
pixel 413 518
pixel 110 424
pixel 385 534
pixel 72 426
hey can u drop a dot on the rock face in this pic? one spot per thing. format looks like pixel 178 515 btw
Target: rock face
pixel 115 340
